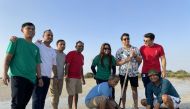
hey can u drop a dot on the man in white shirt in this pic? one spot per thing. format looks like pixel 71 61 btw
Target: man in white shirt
pixel 48 57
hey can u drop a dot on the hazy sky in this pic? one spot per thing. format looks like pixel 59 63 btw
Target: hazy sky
pixel 97 21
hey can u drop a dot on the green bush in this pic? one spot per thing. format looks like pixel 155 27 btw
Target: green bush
pixel 89 75
pixel 178 74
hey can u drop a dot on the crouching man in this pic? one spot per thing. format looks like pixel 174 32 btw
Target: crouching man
pixel 166 94
pixel 100 96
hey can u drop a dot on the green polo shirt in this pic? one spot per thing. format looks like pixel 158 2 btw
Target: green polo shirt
pixel 164 87
pixel 25 58
pixel 103 72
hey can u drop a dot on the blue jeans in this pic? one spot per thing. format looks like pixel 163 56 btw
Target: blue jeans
pixel 39 94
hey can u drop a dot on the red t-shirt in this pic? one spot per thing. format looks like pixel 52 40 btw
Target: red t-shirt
pixel 76 61
pixel 151 57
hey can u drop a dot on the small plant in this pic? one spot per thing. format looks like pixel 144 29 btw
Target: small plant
pixel 89 75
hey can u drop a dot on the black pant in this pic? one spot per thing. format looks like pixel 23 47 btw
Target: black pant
pixel 21 91
pixel 145 80
pixel 98 81
pixel 39 94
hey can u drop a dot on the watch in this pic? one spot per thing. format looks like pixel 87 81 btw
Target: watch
pixel 39 78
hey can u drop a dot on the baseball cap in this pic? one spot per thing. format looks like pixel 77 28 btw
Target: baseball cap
pixel 152 72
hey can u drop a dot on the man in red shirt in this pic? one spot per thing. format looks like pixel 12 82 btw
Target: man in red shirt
pixel 74 73
pixel 151 55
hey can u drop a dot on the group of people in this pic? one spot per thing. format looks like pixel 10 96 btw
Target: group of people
pixel 159 92
pixel 35 68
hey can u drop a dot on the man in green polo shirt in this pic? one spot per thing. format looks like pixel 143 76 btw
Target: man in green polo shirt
pixel 23 61
pixel 164 92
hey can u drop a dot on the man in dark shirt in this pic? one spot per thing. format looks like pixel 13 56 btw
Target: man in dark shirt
pixel 166 94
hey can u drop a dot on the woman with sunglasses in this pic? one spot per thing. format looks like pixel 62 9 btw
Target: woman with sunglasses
pixel 105 63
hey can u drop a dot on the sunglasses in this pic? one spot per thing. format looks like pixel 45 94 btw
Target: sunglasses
pixel 126 39
pixel 80 46
pixel 106 48
pixel 146 40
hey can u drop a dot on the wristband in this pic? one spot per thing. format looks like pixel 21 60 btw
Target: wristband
pixel 55 77
pixel 39 78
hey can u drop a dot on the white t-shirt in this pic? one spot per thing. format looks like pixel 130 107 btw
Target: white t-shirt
pixel 48 57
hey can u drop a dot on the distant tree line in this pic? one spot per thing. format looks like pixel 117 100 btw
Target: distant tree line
pixel 178 74
pixel 170 73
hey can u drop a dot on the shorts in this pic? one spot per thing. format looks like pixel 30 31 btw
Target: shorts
pixel 176 102
pixel 73 86
pixel 95 102
pixel 133 81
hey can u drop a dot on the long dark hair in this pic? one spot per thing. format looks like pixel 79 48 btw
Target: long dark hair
pixel 102 55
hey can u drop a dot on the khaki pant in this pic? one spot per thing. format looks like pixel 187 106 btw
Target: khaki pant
pixel 95 102
pixel 73 86
pixel 55 92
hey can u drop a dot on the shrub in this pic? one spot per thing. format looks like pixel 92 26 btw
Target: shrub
pixel 178 74
pixel 89 75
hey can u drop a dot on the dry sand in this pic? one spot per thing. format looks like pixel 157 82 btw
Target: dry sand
pixel 182 86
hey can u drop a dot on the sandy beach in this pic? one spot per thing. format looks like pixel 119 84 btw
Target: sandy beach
pixel 182 86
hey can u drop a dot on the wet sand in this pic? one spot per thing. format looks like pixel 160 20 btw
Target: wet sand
pixel 182 86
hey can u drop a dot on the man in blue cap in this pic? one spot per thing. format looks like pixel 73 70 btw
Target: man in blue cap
pixel 166 94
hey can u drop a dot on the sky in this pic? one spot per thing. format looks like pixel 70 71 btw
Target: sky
pixel 98 21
